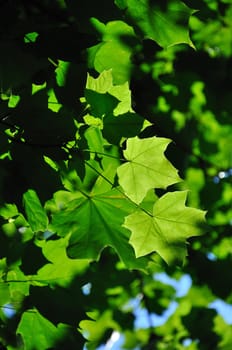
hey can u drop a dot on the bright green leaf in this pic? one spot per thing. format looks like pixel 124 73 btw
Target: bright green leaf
pixel 36 215
pixel 115 51
pixel 94 138
pixel 96 328
pixel 166 230
pixel 61 72
pixel 37 332
pixel 102 84
pixel 120 101
pixel 53 103
pixel 17 288
pixel 4 298
pixel 146 167
pixel 9 211
pixel 30 37
pixel 36 88
pixel 61 270
pixel 13 101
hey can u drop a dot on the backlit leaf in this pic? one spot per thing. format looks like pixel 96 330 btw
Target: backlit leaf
pixel 61 72
pixel 36 215
pixel 166 230
pixel 146 167
pixel 107 95
pixel 114 53
pixel 61 270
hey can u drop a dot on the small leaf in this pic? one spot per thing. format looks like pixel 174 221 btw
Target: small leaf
pixel 36 215
pixel 94 139
pixel 9 211
pixel 166 230
pixel 107 97
pixel 95 328
pixel 102 83
pixel 146 168
pixel 61 72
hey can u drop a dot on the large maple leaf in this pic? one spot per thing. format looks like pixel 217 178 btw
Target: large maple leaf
pixel 166 23
pixel 95 222
pixel 147 167
pixel 165 230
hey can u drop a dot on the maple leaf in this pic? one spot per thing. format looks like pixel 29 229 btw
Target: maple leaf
pixel 60 270
pixel 147 167
pixel 167 23
pixel 165 231
pixel 95 222
pixel 36 215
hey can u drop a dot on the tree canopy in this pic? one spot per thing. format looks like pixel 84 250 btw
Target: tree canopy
pixel 116 168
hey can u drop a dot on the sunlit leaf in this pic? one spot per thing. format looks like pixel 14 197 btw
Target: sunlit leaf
pixel 8 211
pixel 146 167
pixel 165 230
pixel 118 97
pixel 61 270
pixel 61 72
pixel 36 215
pixel 96 328
pixel 115 51
pixel 92 94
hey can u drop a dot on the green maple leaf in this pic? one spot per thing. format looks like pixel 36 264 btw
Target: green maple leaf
pixel 167 23
pixel 146 168
pixel 165 231
pixel 61 270
pixel 113 52
pixel 95 222
pixel 37 332
pixel 103 86
pixel 36 215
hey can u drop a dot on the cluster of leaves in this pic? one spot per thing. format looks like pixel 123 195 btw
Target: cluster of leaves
pixel 92 203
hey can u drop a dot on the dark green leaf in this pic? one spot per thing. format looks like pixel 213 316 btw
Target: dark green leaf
pixel 126 125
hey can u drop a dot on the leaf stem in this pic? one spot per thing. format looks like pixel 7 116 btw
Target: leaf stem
pixel 119 190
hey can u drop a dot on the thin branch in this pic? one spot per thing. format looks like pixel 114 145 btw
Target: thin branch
pixel 104 154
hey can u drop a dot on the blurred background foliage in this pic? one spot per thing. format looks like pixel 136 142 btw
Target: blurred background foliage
pixel 183 92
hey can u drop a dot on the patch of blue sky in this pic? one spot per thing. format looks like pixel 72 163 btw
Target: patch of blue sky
pixel 181 286
pixel 114 343
pixel 8 310
pixel 144 319
pixel 223 309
